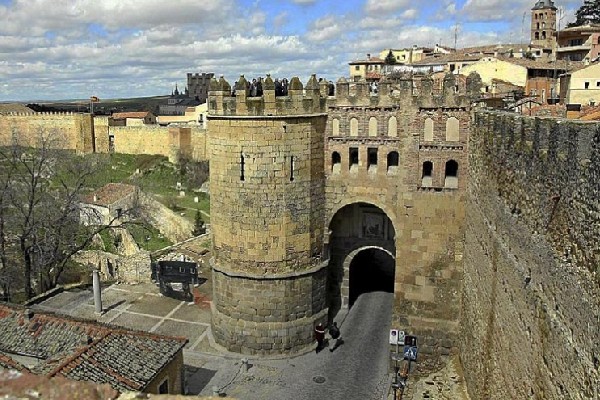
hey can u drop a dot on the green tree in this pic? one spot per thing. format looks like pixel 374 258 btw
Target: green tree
pixel 588 13
pixel 390 59
pixel 40 214
pixel 199 228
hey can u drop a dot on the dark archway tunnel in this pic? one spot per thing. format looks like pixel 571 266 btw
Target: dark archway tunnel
pixel 371 270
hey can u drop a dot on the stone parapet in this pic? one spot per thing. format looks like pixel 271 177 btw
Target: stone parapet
pixel 313 98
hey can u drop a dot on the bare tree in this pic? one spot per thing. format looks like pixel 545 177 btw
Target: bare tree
pixel 40 228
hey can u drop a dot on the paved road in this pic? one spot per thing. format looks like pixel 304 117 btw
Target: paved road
pixel 358 368
pixel 355 370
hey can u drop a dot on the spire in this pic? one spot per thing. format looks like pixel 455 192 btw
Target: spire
pixel 176 90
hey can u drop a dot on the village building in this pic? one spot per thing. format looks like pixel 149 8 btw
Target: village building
pixel 136 118
pixel 108 204
pixel 53 345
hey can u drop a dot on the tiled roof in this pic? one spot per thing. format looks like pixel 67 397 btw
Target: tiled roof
pixel 109 194
pixel 582 28
pixel 372 60
pixel 537 64
pixel 136 114
pixel 53 344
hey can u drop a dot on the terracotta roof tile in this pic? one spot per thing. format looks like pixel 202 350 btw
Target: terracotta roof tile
pixel 109 194
pixel 136 114
pixel 83 350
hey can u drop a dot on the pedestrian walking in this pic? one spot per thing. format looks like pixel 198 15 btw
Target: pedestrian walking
pixel 336 337
pixel 320 336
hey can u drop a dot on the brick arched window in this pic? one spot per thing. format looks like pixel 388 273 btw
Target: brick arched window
pixel 372 126
pixel 452 126
pixel 335 125
pixel 392 161
pixel 427 174
pixel 353 158
pixel 353 127
pixel 451 174
pixel 392 127
pixel 428 130
pixel 336 162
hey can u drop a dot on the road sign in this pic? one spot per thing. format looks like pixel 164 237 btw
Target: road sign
pixel 393 336
pixel 410 340
pixel 410 353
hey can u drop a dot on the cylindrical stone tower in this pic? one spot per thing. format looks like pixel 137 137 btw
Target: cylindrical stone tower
pixel 267 216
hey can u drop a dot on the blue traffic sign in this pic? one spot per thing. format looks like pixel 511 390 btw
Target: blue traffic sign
pixel 410 353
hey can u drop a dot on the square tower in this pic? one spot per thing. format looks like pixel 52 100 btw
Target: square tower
pixel 543 24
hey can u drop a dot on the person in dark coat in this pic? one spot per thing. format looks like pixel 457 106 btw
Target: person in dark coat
pixel 336 337
pixel 320 336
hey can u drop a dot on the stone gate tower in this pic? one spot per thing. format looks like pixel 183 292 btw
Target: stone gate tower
pixel 267 214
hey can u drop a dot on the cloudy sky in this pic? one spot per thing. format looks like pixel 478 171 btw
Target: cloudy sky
pixel 65 49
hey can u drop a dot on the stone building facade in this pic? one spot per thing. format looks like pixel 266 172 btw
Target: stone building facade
pixel 302 184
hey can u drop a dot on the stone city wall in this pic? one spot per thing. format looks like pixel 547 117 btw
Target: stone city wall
pixel 71 131
pixel 531 298
pixel 63 130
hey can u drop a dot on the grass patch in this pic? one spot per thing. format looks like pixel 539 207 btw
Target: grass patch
pixel 147 237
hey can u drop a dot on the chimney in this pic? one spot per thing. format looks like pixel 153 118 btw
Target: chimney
pixel 95 197
pixel 28 314
pixel 368 56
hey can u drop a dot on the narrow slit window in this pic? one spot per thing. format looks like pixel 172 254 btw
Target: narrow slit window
pixel 427 175
pixel 353 156
pixel 336 162
pixel 451 174
pixel 292 160
pixel 372 158
pixel 242 166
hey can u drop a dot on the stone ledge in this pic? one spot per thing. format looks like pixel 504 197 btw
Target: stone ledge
pixel 287 275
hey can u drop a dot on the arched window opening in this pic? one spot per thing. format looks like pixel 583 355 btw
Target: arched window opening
pixel 452 126
pixel 428 130
pixel 372 159
pixel 392 127
pixel 451 175
pixel 353 127
pixel 292 167
pixel 427 175
pixel 336 162
pixel 372 126
pixel 537 36
pixel 335 125
pixel 543 35
pixel 392 161
pixel 353 153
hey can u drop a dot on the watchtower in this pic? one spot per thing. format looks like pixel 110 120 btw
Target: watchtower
pixel 543 24
pixel 267 215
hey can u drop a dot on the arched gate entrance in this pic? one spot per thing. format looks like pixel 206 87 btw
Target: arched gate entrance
pixel 362 254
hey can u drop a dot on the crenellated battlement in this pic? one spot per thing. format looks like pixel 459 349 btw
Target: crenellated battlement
pixel 300 99
pixel 411 91
pixel 37 114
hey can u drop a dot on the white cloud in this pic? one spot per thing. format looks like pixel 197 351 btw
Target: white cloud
pixel 385 6
pixel 325 28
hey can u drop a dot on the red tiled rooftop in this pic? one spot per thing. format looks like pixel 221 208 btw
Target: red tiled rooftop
pixel 109 194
